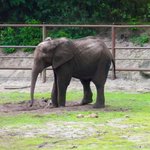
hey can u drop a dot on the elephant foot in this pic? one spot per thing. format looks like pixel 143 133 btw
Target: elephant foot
pixel 61 105
pixel 55 106
pixel 30 103
pixel 53 103
pixel 85 101
pixel 98 105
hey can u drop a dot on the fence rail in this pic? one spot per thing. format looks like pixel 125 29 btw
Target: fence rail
pixel 72 25
pixel 44 28
pixel 117 69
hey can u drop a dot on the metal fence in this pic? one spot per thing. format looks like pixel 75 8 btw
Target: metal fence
pixel 45 27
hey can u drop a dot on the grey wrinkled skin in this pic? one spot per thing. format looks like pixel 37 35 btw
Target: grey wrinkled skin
pixel 87 59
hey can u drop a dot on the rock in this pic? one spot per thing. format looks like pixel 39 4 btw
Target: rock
pixel 80 116
pixel 127 116
pixel 93 115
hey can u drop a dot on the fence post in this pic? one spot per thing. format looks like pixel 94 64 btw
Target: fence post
pixel 113 49
pixel 43 37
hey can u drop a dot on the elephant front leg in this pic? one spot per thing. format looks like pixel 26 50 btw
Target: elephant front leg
pixel 54 92
pixel 54 95
pixel 61 96
pixel 62 84
pixel 100 100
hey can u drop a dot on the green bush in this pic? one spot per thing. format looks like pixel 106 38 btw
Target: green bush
pixel 133 21
pixel 30 35
pixel 140 40
pixel 7 37
pixel 72 33
pixel 20 36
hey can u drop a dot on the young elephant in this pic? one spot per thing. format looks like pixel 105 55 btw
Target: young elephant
pixel 87 59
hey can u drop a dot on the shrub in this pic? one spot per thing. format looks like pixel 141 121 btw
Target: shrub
pixel 30 35
pixel 72 33
pixel 7 37
pixel 140 40
pixel 20 36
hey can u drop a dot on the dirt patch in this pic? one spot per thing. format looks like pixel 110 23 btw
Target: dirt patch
pixel 43 106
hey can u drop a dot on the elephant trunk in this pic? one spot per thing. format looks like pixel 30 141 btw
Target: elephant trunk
pixel 35 74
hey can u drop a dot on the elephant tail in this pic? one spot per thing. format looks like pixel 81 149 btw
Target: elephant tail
pixel 114 69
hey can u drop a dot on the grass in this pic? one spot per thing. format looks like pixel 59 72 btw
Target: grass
pixel 14 97
pixel 123 124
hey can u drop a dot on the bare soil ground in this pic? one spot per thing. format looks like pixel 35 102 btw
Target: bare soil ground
pixel 41 106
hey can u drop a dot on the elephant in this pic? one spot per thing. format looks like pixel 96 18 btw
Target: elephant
pixel 87 59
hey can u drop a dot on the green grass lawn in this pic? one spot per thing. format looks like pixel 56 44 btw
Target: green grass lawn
pixel 123 125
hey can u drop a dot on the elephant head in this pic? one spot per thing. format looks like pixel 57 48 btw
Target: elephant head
pixel 49 53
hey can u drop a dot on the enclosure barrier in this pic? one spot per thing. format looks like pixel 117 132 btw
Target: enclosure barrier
pixel 44 28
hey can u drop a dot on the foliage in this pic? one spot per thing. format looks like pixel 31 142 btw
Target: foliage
pixel 72 33
pixel 140 40
pixel 74 11
pixel 7 38
pixel 29 35
pixel 20 36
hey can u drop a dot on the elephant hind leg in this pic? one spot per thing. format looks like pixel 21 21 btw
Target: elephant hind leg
pixel 99 80
pixel 100 100
pixel 87 98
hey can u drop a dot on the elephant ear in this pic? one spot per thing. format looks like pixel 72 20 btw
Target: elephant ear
pixel 62 54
